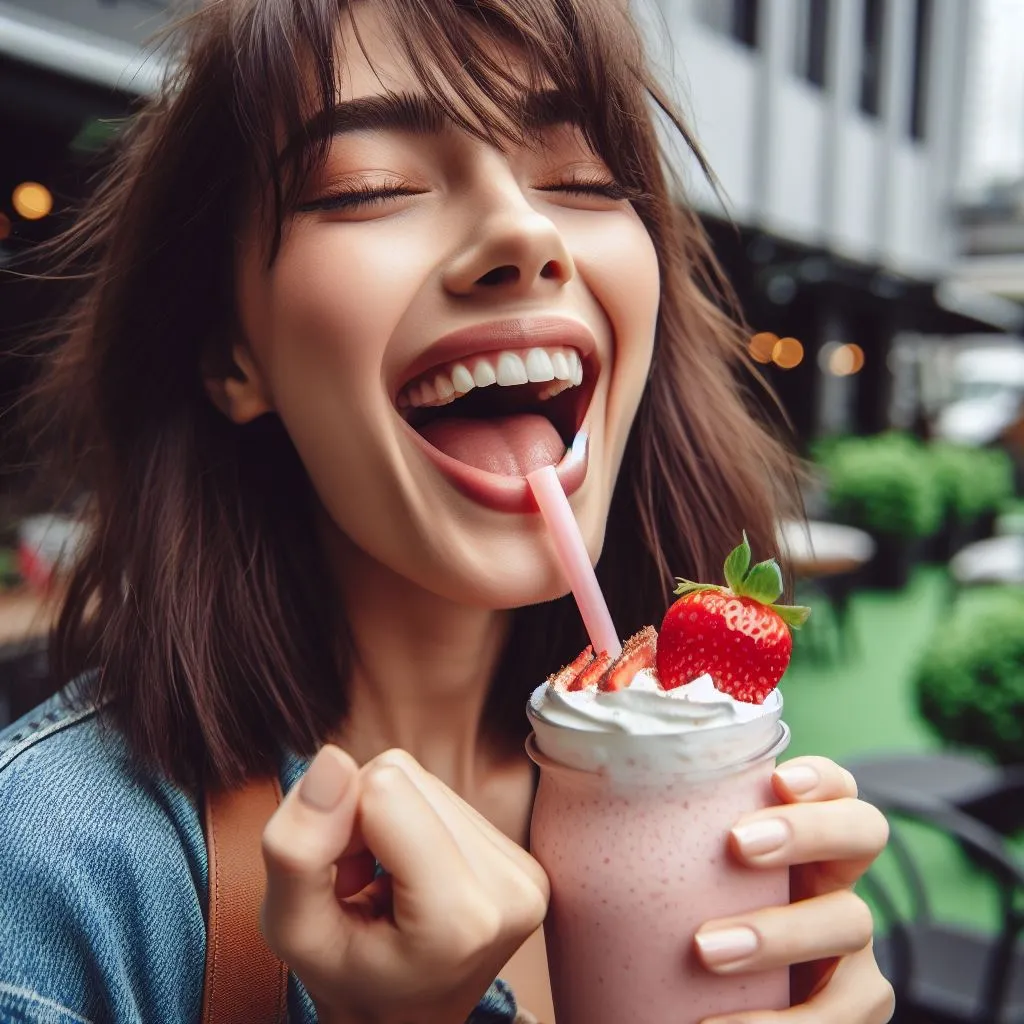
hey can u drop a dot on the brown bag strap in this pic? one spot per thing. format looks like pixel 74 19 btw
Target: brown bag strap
pixel 245 983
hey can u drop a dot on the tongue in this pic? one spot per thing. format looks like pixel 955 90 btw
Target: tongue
pixel 506 445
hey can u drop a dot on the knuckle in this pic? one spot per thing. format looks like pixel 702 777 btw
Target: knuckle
pixel 884 1002
pixel 282 850
pixel 529 906
pixel 538 877
pixel 862 924
pixel 380 779
pixel 396 757
pixel 875 825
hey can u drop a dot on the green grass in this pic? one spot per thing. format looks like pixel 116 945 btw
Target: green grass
pixel 863 702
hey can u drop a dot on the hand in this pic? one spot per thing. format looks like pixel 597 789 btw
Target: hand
pixel 421 943
pixel 830 838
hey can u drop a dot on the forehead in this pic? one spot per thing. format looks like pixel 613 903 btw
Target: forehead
pixel 372 60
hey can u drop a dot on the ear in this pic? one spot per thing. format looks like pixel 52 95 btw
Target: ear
pixel 238 389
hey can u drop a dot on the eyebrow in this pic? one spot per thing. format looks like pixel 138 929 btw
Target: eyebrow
pixel 419 114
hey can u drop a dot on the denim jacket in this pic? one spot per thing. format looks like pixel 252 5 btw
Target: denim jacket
pixel 103 877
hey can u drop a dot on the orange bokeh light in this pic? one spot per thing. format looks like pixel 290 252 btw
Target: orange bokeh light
pixel 32 200
pixel 762 345
pixel 787 353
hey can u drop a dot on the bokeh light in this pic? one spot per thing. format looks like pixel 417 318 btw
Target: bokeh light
pixel 787 353
pixel 32 200
pixel 762 345
pixel 846 360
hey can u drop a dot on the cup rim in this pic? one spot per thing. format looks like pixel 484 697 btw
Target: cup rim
pixel 773 750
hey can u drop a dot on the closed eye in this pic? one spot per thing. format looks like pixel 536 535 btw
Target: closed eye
pixel 605 188
pixel 353 199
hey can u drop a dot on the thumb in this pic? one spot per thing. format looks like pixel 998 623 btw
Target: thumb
pixel 302 842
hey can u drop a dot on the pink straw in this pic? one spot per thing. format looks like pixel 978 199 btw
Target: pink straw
pixel 574 559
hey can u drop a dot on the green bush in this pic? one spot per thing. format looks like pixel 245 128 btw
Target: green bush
pixel 954 479
pixel 884 484
pixel 993 479
pixel 970 682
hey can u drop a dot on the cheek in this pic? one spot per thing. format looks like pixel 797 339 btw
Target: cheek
pixel 624 277
pixel 621 270
pixel 332 302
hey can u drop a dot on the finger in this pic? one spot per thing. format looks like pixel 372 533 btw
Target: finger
pixel 848 834
pixel 477 836
pixel 812 778
pixel 301 843
pixel 412 844
pixel 856 994
pixel 827 926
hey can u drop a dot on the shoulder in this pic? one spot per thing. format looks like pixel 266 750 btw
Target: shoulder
pixel 102 876
pixel 67 776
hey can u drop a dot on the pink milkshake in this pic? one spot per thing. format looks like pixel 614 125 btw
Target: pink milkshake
pixel 633 839
pixel 649 753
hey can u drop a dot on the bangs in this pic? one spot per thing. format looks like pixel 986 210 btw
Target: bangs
pixel 583 55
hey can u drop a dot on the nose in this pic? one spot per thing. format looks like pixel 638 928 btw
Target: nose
pixel 512 250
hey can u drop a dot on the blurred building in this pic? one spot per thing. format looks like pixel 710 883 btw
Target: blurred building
pixel 69 69
pixel 836 129
pixel 992 182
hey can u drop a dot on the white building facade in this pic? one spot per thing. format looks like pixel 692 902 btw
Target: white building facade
pixel 837 131
pixel 834 123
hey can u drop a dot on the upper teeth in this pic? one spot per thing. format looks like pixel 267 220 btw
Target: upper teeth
pixel 562 366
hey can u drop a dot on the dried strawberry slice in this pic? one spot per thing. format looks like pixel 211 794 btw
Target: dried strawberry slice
pixel 592 673
pixel 565 677
pixel 637 654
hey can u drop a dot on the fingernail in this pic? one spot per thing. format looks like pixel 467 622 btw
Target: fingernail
pixel 325 782
pixel 799 778
pixel 759 837
pixel 726 945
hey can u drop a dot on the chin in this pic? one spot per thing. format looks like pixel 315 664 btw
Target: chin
pixel 501 569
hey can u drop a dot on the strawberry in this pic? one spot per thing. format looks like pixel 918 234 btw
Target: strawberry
pixel 637 653
pixel 564 678
pixel 736 633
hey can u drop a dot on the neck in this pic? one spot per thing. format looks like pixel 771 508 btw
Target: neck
pixel 421 671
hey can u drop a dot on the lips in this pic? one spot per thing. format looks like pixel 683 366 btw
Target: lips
pixel 489 404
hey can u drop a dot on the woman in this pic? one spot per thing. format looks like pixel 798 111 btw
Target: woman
pixel 335 222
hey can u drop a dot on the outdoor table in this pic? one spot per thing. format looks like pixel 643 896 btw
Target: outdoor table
pixel 996 560
pixel 828 557
pixel 814 549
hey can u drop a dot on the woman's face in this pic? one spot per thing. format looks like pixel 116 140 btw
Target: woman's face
pixel 443 317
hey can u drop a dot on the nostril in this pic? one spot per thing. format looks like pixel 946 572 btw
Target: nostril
pixel 550 269
pixel 500 275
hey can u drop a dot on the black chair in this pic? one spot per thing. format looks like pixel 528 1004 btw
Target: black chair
pixel 994 794
pixel 944 973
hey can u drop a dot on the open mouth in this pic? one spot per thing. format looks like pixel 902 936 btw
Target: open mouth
pixel 506 412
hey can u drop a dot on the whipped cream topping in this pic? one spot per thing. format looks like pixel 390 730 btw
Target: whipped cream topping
pixel 644 709
pixel 643 728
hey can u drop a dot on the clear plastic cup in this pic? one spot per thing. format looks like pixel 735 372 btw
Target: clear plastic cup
pixel 638 860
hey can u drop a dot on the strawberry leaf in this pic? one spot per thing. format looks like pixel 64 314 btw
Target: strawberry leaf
pixel 792 615
pixel 737 565
pixel 763 583
pixel 689 587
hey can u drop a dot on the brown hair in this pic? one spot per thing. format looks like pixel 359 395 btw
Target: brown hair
pixel 201 601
